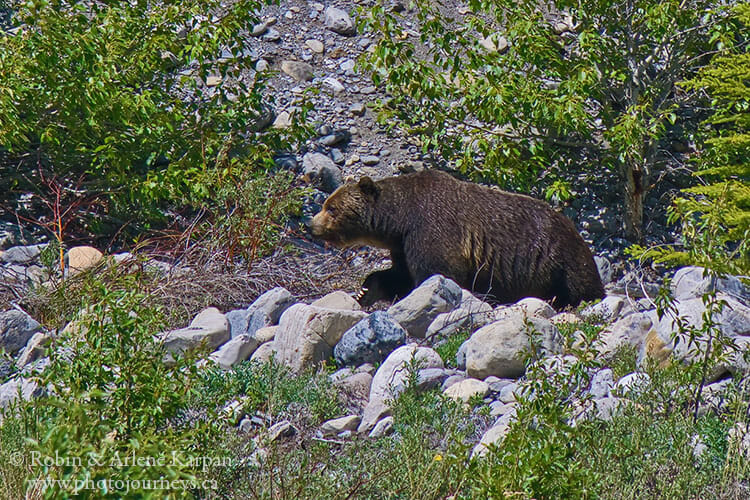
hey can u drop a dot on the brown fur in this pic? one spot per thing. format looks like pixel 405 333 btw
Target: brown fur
pixel 505 245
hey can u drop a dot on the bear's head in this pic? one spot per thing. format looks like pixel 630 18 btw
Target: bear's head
pixel 344 219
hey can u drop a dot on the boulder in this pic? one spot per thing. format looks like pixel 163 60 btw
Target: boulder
pixel 417 310
pixel 392 376
pixel 501 347
pixel 209 328
pixel 466 389
pixel 338 425
pixel 307 335
pixel 235 351
pixel 82 258
pixel 274 302
pixel 244 322
pixel 16 328
pixel 607 309
pixel 529 307
pixel 299 71
pixel 370 340
pixel 628 331
pixel 689 283
pixel 337 300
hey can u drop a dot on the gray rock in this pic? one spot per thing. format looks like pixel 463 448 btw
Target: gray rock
pixel 602 383
pixel 16 328
pixel 237 350
pixel 280 430
pixel 417 310
pixel 357 109
pixel 209 328
pixel 527 307
pixel 430 378
pixel 370 340
pixel 264 353
pixel 300 71
pixel 273 302
pixel 508 393
pixel 336 87
pixel 244 322
pixel 628 331
pixel 689 282
pixel 320 170
pixel 10 389
pixel 370 159
pixel 449 323
pixel 315 45
pixel 494 435
pixel 633 383
pixel 498 408
pixel 373 413
pixel 461 355
pixel 382 428
pixel 35 348
pixel 338 425
pixel 608 407
pixel 500 348
pixel 21 254
pixel 608 308
pixel 660 345
pixel 605 269
pixel 307 335
pixel 339 22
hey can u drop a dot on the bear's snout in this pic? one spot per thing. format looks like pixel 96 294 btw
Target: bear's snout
pixel 320 224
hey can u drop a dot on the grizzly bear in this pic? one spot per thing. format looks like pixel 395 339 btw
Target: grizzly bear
pixel 501 245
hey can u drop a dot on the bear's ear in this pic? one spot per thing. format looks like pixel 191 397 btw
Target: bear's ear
pixel 368 187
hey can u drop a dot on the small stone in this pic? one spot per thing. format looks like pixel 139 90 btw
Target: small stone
pixel 320 170
pixel 370 340
pixel 272 35
pixel 382 428
pixel 283 120
pixel 83 258
pixel 300 71
pixel 633 383
pixel 602 383
pixel 315 45
pixel 213 81
pixel 338 425
pixel 357 109
pixel 261 65
pixel 339 22
pixel 273 302
pixel 234 352
pixel 347 65
pixel 259 29
pixel 334 85
pixel 280 430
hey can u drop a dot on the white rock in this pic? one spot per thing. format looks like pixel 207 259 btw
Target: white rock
pixel 608 308
pixel 466 389
pixel 307 335
pixel 234 351
pixel 210 328
pixel 337 425
pixel 337 300
pixel 500 348
pixel 628 331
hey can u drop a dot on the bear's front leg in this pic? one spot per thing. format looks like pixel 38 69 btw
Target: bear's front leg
pixel 390 285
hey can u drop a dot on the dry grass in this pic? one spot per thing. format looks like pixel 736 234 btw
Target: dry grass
pixel 189 281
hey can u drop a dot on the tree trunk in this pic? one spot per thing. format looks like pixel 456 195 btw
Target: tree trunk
pixel 634 193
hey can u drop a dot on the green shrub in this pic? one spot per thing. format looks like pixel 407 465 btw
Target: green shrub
pixel 114 416
pixel 142 101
